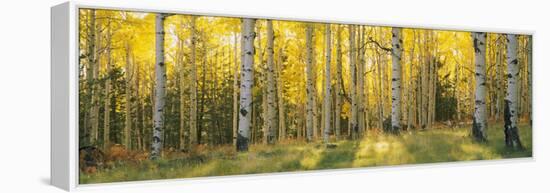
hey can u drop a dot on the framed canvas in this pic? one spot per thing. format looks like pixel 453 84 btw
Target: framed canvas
pixel 141 94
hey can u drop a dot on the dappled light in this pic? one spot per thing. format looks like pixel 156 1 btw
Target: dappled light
pixel 377 150
pixel 163 96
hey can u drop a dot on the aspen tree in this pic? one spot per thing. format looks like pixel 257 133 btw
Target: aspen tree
pixel 107 104
pixel 180 63
pixel 510 102
pixel 310 91
pixel 270 80
pixel 193 134
pixel 280 98
pixel 247 81
pixel 397 50
pixel 479 125
pixel 127 96
pixel 160 87
pixel 339 83
pixel 327 84
pixel 354 127
pixel 235 91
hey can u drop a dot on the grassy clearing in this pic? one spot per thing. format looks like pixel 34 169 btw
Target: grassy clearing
pixel 438 145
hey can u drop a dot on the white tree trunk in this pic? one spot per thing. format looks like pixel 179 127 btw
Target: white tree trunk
pixel 354 127
pixel 182 81
pixel 327 97
pixel 127 96
pixel 479 126
pixel 107 106
pixel 510 109
pixel 339 84
pixel 90 56
pixel 247 81
pixel 530 77
pixel 271 104
pixel 310 91
pixel 93 72
pixel 410 88
pixel 160 87
pixel 397 49
pixel 193 134
pixel 235 92
pixel 280 99
pixel 361 81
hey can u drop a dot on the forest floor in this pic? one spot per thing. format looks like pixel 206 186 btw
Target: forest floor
pixel 416 147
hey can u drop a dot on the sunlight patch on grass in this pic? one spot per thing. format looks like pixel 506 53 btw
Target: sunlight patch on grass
pixel 311 158
pixel 470 151
pixel 381 150
pixel 411 147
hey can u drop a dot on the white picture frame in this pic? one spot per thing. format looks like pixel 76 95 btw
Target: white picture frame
pixel 64 84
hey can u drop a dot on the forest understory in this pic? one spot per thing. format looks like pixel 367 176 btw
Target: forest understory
pixel 374 149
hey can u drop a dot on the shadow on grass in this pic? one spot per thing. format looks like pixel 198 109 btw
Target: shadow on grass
pixel 340 157
pixel 431 146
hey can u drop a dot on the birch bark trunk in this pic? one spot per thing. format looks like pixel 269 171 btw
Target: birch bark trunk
pixel 182 81
pixel 512 139
pixel 160 88
pixel 353 88
pixel 280 97
pixel 107 104
pixel 235 92
pixel 360 81
pixel 193 133
pixel 127 96
pixel 327 97
pixel 247 81
pixel 479 125
pixel 309 83
pixel 339 84
pixel 271 104
pixel 396 80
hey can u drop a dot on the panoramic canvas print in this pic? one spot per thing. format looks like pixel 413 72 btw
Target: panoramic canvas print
pixel 165 96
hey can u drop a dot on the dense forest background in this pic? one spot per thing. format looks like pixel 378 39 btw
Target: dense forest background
pixel 307 81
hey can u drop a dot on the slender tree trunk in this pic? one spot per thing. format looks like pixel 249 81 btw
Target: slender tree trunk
pixel 353 86
pixel 310 91
pixel 107 105
pixel 410 92
pixel 429 87
pixel 128 97
pixel 360 81
pixel 92 78
pixel 397 50
pixel 280 97
pixel 511 133
pixel 247 82
pixel 499 71
pixel 479 126
pixel 327 84
pixel 160 88
pixel 530 77
pixel 262 84
pixel 182 91
pixel 91 56
pixel 138 127
pixel 271 103
pixel 193 133
pixel 96 92
pixel 235 92
pixel 425 84
pixel 339 84
pixel 378 91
